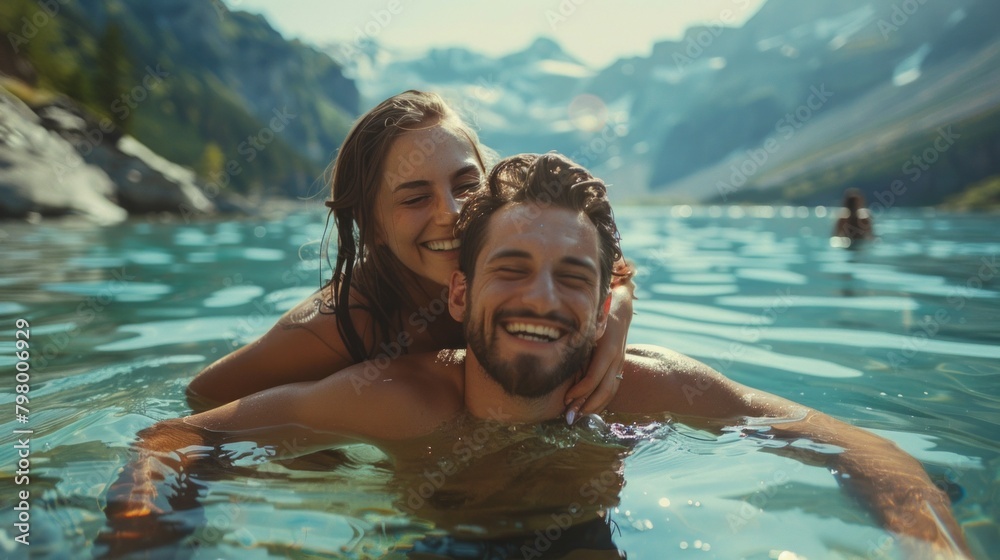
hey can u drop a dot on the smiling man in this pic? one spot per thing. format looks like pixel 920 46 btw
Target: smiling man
pixel 538 249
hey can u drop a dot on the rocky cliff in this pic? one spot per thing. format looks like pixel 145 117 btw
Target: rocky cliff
pixel 57 160
pixel 171 106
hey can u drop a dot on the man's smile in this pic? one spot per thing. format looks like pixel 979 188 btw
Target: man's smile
pixel 531 327
pixel 533 332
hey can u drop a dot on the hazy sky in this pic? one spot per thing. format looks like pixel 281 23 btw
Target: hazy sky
pixel 595 31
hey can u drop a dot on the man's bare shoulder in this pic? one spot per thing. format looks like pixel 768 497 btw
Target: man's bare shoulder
pixel 647 360
pixel 412 371
pixel 658 379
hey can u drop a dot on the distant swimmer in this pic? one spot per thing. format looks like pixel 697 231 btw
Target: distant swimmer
pixel 855 221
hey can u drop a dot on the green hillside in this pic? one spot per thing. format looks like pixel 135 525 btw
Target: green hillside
pixel 179 76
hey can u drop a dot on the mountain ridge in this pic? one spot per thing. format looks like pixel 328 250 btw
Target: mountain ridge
pixel 660 125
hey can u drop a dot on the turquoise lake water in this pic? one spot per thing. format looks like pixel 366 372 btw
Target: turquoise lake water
pixel 901 337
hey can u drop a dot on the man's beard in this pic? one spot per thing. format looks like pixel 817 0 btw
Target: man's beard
pixel 523 376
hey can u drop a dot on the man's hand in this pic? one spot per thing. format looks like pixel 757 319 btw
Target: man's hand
pixel 136 507
pixel 891 483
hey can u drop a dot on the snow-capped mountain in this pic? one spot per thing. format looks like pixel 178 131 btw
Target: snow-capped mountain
pixel 802 100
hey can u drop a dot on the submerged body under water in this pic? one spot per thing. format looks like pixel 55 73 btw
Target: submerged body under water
pixel 898 336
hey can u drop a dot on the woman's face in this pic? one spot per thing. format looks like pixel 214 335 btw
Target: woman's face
pixel 426 177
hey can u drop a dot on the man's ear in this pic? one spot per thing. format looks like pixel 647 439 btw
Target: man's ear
pixel 602 316
pixel 456 295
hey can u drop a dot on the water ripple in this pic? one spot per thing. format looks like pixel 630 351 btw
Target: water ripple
pixel 162 333
pixel 130 291
pixel 233 296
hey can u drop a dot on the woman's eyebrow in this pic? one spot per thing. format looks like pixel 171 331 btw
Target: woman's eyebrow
pixel 418 183
pixel 411 185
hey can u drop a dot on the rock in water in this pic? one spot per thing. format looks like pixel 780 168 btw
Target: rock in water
pixel 40 172
pixel 144 181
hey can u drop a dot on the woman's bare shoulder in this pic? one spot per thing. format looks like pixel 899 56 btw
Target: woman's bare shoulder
pixel 317 313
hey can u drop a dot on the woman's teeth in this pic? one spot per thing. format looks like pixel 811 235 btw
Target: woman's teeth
pixel 538 333
pixel 448 245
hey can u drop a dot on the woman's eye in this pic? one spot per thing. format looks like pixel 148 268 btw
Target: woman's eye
pixel 465 190
pixel 415 200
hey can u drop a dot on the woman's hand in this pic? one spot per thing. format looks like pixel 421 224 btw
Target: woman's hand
pixel 604 372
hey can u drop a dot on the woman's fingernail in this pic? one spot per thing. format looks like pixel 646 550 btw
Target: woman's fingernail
pixel 570 416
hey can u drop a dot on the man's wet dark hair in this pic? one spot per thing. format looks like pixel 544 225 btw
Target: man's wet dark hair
pixel 546 180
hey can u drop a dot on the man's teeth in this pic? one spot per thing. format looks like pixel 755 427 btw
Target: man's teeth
pixel 444 245
pixel 533 332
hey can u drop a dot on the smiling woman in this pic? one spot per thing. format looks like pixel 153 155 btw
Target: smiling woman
pixel 397 185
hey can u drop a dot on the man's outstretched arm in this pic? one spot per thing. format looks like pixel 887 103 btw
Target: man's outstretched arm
pixel 169 457
pixel 890 482
pixel 291 419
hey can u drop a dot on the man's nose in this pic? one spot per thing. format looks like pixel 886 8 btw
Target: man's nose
pixel 540 293
pixel 447 210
